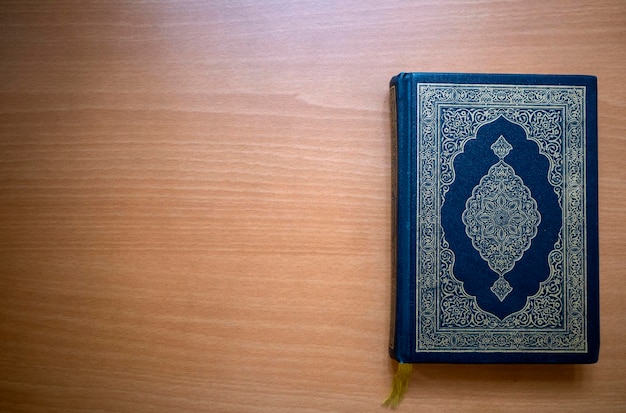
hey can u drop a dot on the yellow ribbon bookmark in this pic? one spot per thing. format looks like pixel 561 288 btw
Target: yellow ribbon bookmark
pixel 399 386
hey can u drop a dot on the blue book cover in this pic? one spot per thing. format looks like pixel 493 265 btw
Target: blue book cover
pixel 495 210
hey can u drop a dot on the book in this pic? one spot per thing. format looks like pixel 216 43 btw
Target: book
pixel 495 218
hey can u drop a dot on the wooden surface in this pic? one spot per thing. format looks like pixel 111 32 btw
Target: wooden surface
pixel 194 201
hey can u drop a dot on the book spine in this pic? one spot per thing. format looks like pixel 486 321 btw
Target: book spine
pixel 394 211
pixel 401 184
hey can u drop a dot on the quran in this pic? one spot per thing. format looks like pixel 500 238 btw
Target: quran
pixel 495 218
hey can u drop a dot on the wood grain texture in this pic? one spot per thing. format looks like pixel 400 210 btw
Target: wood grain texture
pixel 194 201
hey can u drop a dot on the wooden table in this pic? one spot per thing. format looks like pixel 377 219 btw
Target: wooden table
pixel 194 201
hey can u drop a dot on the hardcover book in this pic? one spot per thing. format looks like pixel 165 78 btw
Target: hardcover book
pixel 495 206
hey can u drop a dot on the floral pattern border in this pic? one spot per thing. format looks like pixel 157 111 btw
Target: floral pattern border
pixel 448 319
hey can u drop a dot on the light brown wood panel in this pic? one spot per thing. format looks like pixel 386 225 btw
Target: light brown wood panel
pixel 194 201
